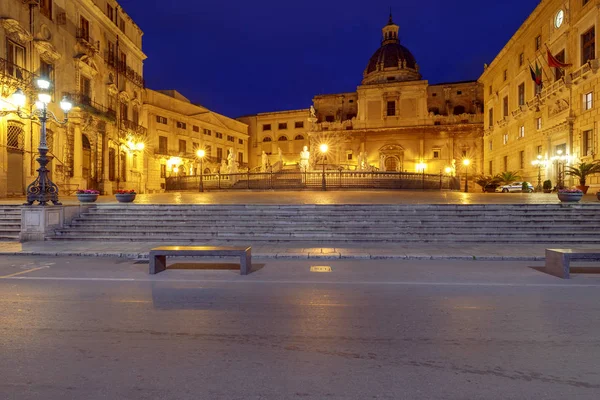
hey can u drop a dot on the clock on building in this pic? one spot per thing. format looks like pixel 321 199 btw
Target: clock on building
pixel 559 19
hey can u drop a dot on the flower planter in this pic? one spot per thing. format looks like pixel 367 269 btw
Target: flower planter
pixel 584 189
pixel 125 197
pixel 570 197
pixel 87 197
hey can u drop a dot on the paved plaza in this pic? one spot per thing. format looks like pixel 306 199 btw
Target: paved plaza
pixel 81 328
pixel 332 197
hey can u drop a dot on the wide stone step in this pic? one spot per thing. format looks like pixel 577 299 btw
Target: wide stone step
pixel 340 239
pixel 327 225
pixel 324 232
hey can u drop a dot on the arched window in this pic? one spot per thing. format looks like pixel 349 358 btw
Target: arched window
pixel 282 138
pixel 266 139
pixel 299 137
pixel 459 110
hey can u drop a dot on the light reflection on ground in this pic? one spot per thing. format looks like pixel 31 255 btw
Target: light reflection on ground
pixel 332 197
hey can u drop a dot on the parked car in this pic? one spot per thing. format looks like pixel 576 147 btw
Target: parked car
pixel 491 187
pixel 514 187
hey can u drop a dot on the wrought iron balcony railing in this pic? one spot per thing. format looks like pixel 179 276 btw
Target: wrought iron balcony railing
pixel 83 37
pixel 132 126
pixel 16 73
pixel 85 103
pixel 123 69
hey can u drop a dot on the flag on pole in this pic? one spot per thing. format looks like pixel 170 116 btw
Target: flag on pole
pixel 553 62
pixel 536 75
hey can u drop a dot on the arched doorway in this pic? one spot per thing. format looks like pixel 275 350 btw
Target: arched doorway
pixel 391 157
pixel 391 164
pixel 86 163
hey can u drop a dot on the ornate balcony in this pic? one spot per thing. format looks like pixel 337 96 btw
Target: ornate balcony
pixel 122 69
pixel 133 127
pixel 87 42
pixel 85 103
pixel 14 76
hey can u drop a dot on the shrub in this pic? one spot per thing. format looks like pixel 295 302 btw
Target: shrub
pixel 547 185
pixel 125 192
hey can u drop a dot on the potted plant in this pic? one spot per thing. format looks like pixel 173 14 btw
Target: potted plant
pixel 125 196
pixel 525 187
pixel 570 195
pixel 582 170
pixel 87 195
pixel 547 186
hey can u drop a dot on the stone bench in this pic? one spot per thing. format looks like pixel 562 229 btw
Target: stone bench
pixel 558 260
pixel 158 255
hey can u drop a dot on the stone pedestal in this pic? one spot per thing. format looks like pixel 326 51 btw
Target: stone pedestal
pixel 37 222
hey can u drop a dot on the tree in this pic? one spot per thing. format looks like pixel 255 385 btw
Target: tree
pixel 485 180
pixel 507 177
pixel 582 170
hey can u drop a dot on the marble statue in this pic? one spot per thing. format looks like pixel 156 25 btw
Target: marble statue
pixel 365 161
pixel 280 154
pixel 223 168
pixel 264 161
pixel 313 112
pixel 382 163
pixel 232 165
pixel 304 159
pixel 359 161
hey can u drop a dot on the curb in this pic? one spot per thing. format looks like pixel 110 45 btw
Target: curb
pixel 287 256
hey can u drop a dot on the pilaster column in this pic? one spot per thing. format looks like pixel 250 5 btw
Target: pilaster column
pixel 77 152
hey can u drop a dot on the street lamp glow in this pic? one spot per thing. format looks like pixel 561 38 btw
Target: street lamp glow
pixel 201 153
pixel 39 105
pixel 448 170
pixel 175 169
pixel 466 162
pixel 65 104
pixel 140 146
pixel 19 98
pixel 324 148
pixel 44 97
pixel 43 83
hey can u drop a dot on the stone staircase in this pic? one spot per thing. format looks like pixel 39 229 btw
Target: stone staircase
pixel 10 222
pixel 328 224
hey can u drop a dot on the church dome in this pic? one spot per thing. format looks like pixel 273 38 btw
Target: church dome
pixel 392 61
pixel 391 55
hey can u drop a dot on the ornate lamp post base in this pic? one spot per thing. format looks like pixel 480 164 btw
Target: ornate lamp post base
pixel 42 189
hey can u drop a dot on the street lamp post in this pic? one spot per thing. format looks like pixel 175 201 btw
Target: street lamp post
pixel 42 189
pixel 201 153
pixel 561 160
pixel 323 148
pixel 539 163
pixel 466 163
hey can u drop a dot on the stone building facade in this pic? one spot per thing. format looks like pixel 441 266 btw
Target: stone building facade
pixel 178 129
pixel 395 121
pixel 91 51
pixel 557 120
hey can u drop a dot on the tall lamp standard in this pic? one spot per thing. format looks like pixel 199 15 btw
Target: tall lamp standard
pixel 323 148
pixel 42 189
pixel 539 163
pixel 561 160
pixel 201 153
pixel 466 163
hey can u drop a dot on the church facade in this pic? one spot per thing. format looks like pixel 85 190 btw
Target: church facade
pixel 395 121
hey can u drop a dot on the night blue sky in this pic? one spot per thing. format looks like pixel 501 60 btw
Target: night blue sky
pixel 240 57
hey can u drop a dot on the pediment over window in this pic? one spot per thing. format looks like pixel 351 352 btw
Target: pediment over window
pixel 124 97
pixel 391 148
pixel 15 31
pixel 47 51
pixel 112 89
pixel 86 65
